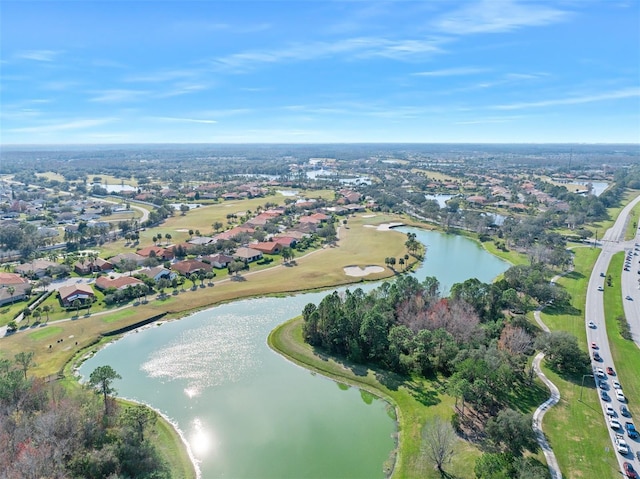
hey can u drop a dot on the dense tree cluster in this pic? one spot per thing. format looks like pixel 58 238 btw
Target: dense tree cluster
pixel 46 431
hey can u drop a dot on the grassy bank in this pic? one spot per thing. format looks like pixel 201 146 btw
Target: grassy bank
pixel 415 400
pixel 575 427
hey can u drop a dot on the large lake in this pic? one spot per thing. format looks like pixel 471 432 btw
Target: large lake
pixel 248 413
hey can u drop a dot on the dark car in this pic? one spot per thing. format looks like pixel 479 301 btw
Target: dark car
pixel 628 470
pixel 604 396
pixel 625 411
pixel 610 371
pixel 596 356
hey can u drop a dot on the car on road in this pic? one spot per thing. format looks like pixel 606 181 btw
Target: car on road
pixel 601 274
pixel 600 288
pixel 622 447
pixel 619 396
pixel 638 455
pixel 603 385
pixel 610 371
pixel 616 384
pixel 629 298
pixel 632 432
pixel 600 372
pixel 596 356
pixel 625 411
pixel 629 471
pixel 594 345
pixel 592 325
pixel 610 411
pixel 605 396
pixel 614 424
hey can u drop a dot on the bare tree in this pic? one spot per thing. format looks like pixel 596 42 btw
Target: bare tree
pixel 438 439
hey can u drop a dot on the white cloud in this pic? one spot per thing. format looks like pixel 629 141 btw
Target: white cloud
pixel 184 120
pixel 39 55
pixel 118 96
pixel 361 47
pixel 491 16
pixel 460 71
pixel 69 125
pixel 575 100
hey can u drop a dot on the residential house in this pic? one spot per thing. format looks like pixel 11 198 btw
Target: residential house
pixel 201 240
pixel 82 292
pixel 117 259
pixel 13 287
pixel 267 247
pixel 92 266
pixel 219 261
pixel 157 273
pixel 191 266
pixel 158 252
pixel 104 282
pixel 286 241
pixel 37 267
pixel 247 255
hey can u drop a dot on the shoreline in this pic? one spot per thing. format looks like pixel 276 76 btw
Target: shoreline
pixel 348 378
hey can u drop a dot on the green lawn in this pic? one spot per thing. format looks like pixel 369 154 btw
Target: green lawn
pixel 632 226
pixel 575 427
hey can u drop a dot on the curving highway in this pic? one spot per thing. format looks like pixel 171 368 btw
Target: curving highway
pixel 612 243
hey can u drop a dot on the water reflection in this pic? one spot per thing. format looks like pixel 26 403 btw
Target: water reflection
pixel 200 440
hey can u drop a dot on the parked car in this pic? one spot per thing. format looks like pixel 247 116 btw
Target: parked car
pixel 600 372
pixel 603 385
pixel 610 411
pixel 625 411
pixel 596 356
pixel 616 384
pixel 619 396
pixel 614 424
pixel 604 396
pixel 628 469
pixel 594 345
pixel 631 429
pixel 610 371
pixel 622 447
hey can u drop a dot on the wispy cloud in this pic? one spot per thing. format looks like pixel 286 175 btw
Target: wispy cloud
pixel 492 16
pixel 574 100
pixel 460 71
pixel 361 47
pixel 184 120
pixel 39 55
pixel 183 89
pixel 118 96
pixel 489 120
pixel 69 125
pixel 163 76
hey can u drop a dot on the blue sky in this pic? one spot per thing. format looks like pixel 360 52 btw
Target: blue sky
pixel 319 71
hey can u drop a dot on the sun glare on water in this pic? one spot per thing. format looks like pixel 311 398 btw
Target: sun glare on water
pixel 201 440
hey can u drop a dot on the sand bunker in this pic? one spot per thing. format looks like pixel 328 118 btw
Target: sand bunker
pixel 368 216
pixel 384 226
pixel 358 271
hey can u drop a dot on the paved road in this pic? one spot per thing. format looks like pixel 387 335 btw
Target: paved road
pixel 612 242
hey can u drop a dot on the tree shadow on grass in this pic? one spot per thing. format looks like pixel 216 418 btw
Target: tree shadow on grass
pixel 558 310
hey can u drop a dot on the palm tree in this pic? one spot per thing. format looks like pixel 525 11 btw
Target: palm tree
pixel 167 237
pixel 37 314
pixel 26 312
pixel 47 309
pixel 76 304
pixel 11 290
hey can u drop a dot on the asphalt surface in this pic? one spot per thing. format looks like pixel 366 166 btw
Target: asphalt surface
pixel 613 242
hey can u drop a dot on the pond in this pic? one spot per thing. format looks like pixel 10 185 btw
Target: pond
pixel 245 411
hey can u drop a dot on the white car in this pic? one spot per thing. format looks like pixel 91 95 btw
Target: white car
pixel 592 325
pixel 619 396
pixel 614 424
pixel 616 384
pixel 600 373
pixel 610 411
pixel 622 447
